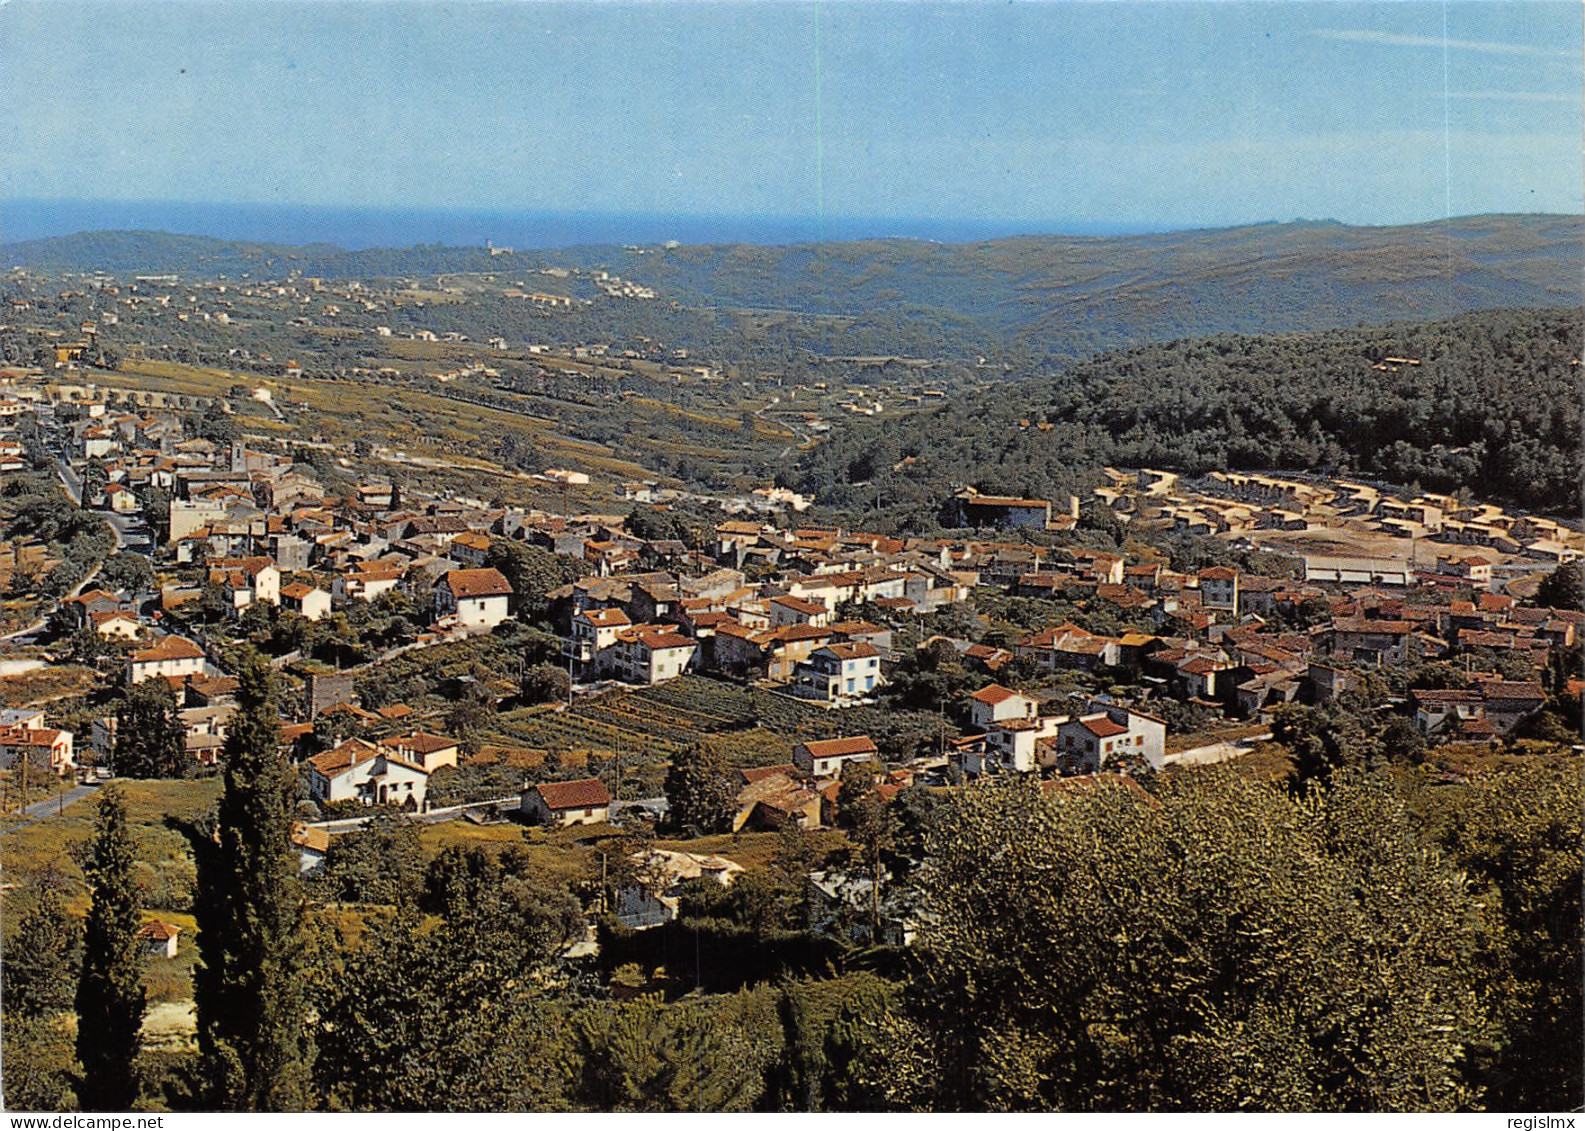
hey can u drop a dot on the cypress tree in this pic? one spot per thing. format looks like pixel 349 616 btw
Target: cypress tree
pixel 110 1000
pixel 250 986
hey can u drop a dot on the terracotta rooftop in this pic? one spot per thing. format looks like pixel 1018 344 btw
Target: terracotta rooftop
pixel 168 648
pixel 587 793
pixel 474 583
pixel 840 747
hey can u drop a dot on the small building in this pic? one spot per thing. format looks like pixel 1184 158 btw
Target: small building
pixel 168 656
pixel 358 771
pixel 826 757
pixel 997 704
pixel 116 625
pixel 478 598
pixel 1086 744
pixel 654 900
pixel 1219 588
pixel 419 748
pixel 308 601
pixel 159 938
pixel 563 803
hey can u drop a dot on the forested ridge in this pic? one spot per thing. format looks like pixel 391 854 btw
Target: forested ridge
pixel 1031 300
pixel 1492 405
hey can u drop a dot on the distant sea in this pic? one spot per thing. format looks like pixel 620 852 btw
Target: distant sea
pixel 356 228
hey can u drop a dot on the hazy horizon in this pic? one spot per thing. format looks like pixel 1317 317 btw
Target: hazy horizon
pixel 1121 117
pixel 363 228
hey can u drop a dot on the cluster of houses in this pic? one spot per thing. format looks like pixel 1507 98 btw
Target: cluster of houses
pixel 1225 502
pixel 807 611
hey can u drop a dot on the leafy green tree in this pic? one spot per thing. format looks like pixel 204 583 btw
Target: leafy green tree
pixel 504 896
pixel 869 825
pixel 130 572
pixel 151 741
pixel 438 1019
pixel 249 988
pixel 110 999
pixel 696 1055
pixel 699 790
pixel 846 1046
pixel 545 683
pixel 382 862
pixel 1518 834
pixel 43 958
pixel 533 574
pixel 1323 738
pixel 1224 946
pixel 1401 740
pixel 40 1064
pixel 1563 588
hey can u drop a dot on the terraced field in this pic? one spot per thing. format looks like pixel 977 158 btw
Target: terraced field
pixel 752 727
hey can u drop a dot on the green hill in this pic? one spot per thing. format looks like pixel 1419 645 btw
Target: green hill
pixel 1024 300
pixel 1492 405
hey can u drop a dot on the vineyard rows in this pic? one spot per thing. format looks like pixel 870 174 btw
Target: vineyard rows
pixel 749 726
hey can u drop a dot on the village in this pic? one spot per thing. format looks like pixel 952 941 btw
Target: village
pixel 789 644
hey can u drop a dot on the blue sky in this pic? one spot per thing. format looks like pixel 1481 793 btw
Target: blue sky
pixel 1116 114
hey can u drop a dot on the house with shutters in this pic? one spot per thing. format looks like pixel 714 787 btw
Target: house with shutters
pixel 28 740
pixel 593 639
pixel 308 601
pixel 116 625
pixel 364 581
pixel 1067 647
pixel 1219 588
pixel 422 749
pixel 840 673
pixel 997 704
pixel 360 771
pixel 1106 732
pixel 651 653
pixel 170 656
pixel 477 598
pixel 797 610
pixel 246 580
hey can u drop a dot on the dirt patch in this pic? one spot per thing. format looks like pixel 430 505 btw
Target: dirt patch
pixel 171 1024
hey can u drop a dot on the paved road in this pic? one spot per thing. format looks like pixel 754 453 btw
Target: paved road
pixel 129 531
pixel 49 807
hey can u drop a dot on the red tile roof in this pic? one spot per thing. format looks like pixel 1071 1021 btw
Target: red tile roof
pixel 587 793
pixel 839 747
pixel 168 648
pixel 474 583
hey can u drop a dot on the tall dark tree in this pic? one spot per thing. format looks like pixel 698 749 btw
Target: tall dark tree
pixel 250 985
pixel 150 739
pixel 110 999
